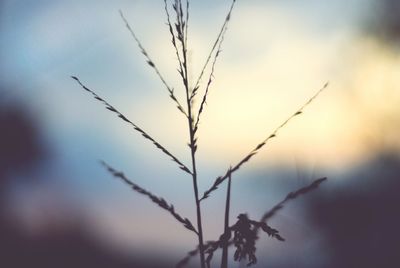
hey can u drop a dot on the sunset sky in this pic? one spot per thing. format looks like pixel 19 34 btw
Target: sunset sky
pixel 275 56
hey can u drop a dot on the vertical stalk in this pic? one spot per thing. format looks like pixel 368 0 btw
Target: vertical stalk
pixel 196 194
pixel 192 143
pixel 194 170
pixel 224 261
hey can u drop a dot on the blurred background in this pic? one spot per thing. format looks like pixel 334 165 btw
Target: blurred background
pixel 60 208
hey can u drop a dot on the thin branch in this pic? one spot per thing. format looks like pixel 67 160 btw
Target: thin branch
pixel 158 200
pixel 137 128
pixel 210 251
pixel 220 35
pixel 180 30
pixel 181 34
pixel 220 179
pixel 183 262
pixel 210 79
pixel 291 196
pixel 187 21
pixel 173 38
pixel 151 63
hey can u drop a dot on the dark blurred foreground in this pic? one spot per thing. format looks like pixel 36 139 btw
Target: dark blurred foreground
pixel 63 244
pixel 67 247
pixel 360 216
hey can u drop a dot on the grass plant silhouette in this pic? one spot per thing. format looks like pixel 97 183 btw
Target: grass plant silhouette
pixel 245 230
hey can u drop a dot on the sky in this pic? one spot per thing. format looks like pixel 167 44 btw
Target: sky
pixel 275 56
